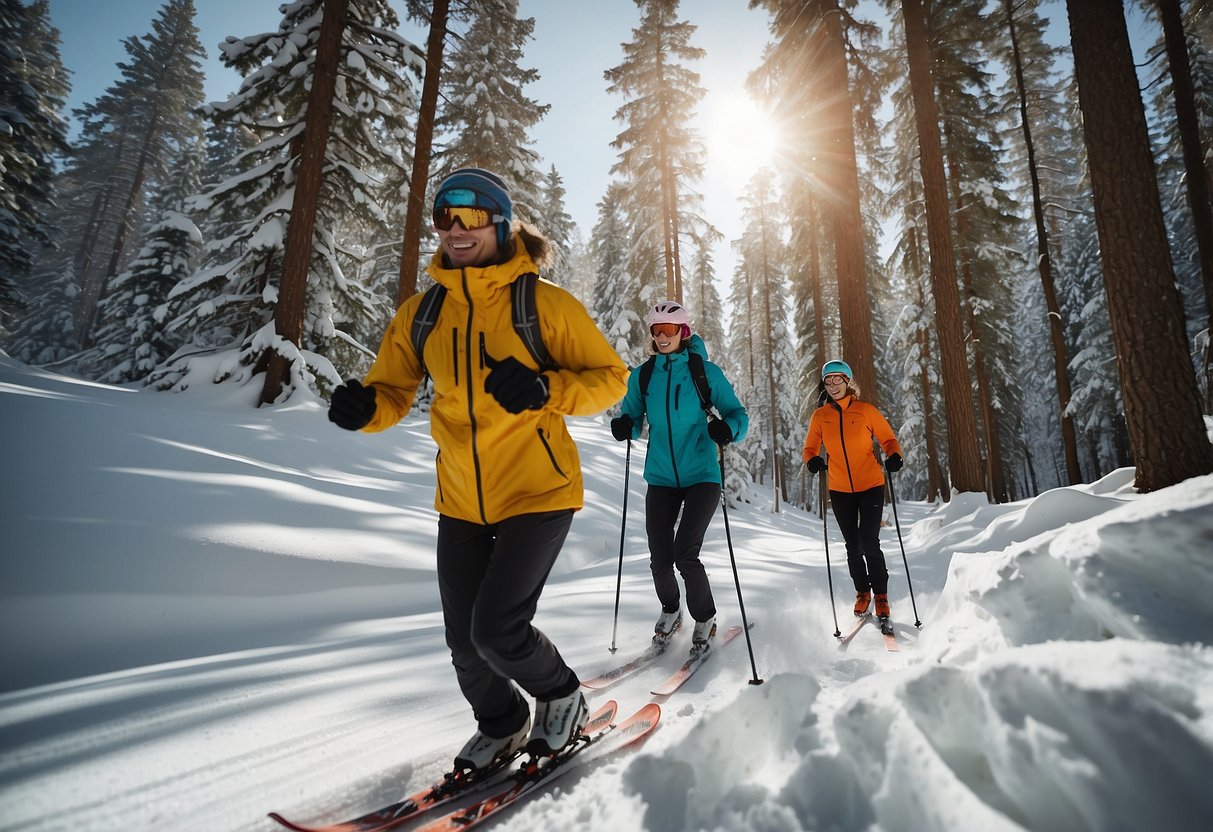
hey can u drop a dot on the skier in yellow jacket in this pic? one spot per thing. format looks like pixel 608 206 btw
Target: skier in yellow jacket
pixel 846 427
pixel 509 476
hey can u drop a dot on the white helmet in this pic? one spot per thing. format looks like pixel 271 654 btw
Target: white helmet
pixel 669 312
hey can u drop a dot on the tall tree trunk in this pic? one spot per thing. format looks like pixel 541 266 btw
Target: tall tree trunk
pixel 133 195
pixel 995 479
pixel 840 175
pixel 1162 407
pixel 776 479
pixel 415 210
pixel 963 455
pixel 1044 263
pixel 1194 169
pixel 936 481
pixel 297 256
pixel 814 229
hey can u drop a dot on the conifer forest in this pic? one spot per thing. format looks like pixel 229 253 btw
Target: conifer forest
pixel 1008 235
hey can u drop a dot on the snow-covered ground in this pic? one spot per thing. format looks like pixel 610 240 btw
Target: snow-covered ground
pixel 210 611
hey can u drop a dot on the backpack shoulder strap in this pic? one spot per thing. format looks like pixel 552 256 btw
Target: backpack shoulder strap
pixel 425 318
pixel 646 373
pixel 699 375
pixel 526 320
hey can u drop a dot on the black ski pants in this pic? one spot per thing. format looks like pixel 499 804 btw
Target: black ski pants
pixel 670 546
pixel 490 578
pixel 858 516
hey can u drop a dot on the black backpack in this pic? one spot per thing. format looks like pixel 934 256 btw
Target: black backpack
pixel 699 376
pixel 524 312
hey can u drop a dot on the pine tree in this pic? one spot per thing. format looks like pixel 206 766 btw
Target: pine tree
pixel 701 296
pixel 227 306
pixel 1167 433
pixel 33 86
pixel 128 137
pixel 131 339
pixel 660 154
pixel 962 429
pixel 617 307
pixel 1029 61
pixel 487 119
pixel 556 224
pixel 819 89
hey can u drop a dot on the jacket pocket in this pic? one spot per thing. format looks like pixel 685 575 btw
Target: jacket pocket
pixel 547 446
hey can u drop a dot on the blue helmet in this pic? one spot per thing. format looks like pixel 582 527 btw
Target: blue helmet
pixel 482 189
pixel 836 366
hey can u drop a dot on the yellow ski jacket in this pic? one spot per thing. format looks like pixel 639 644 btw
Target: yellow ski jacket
pixel 493 464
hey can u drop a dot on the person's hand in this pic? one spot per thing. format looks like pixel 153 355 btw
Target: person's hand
pixel 514 385
pixel 893 463
pixel 816 465
pixel 720 432
pixel 352 406
pixel 621 427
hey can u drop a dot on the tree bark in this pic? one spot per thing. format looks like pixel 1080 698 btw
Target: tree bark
pixel 415 211
pixel 937 483
pixel 1162 407
pixel 1044 263
pixel 297 257
pixel 776 479
pixel 840 176
pixel 996 488
pixel 963 455
pixel 1194 169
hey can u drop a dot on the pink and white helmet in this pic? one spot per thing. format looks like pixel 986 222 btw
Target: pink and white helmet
pixel 669 312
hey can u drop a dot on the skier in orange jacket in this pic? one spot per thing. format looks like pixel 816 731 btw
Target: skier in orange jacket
pixel 846 428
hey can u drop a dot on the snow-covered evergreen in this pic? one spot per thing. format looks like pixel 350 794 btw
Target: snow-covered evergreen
pixel 33 86
pixel 227 305
pixel 486 118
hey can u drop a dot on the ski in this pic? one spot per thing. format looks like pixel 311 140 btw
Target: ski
pixel 692 664
pixel 890 639
pixel 612 676
pixel 453 785
pixel 844 640
pixel 540 771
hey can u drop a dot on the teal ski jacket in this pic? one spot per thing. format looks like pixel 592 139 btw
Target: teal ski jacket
pixel 681 453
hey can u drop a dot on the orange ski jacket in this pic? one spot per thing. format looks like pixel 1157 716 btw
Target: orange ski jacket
pixel 846 428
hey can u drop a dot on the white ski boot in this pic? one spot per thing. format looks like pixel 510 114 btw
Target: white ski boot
pixel 557 723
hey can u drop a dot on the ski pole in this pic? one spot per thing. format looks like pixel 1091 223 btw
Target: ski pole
pixel 736 580
pixel 893 500
pixel 627 471
pixel 825 535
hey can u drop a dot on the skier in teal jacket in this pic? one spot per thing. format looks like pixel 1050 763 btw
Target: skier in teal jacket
pixel 681 467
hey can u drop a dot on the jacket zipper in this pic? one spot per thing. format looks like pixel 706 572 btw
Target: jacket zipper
pixel 471 404
pixel 669 421
pixel 455 352
pixel 846 460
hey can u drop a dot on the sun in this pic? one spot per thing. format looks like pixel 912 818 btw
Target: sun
pixel 740 137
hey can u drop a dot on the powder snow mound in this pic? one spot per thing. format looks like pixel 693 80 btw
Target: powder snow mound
pixel 1089 580
pixel 1047 737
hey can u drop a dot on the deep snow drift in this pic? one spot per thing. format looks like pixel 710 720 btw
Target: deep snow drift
pixel 212 611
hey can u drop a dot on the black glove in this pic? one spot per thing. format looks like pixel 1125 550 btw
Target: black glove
pixel 720 431
pixel 352 405
pixel 816 465
pixel 621 427
pixel 893 463
pixel 514 385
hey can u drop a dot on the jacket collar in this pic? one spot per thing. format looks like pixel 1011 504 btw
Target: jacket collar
pixel 483 281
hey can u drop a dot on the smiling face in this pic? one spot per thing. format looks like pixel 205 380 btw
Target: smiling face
pixel 477 247
pixel 666 337
pixel 836 385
